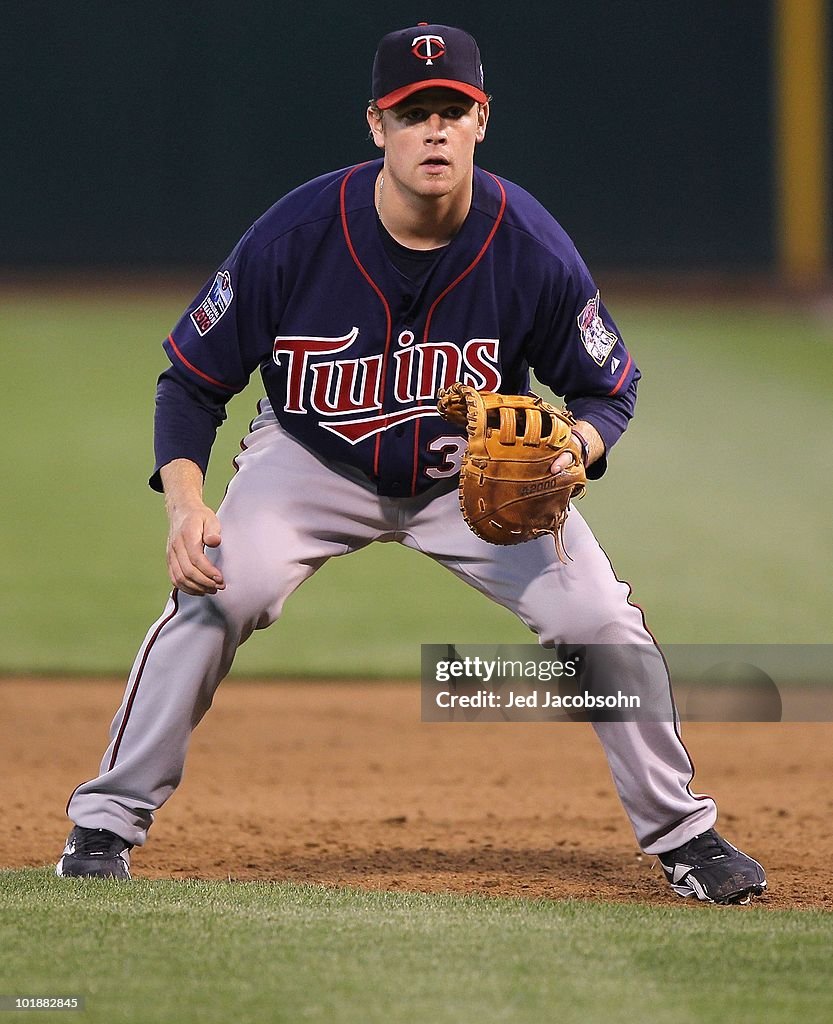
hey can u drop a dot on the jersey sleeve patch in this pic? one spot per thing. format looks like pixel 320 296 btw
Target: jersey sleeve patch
pixel 214 305
pixel 595 337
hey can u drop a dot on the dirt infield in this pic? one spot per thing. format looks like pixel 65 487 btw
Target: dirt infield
pixel 342 784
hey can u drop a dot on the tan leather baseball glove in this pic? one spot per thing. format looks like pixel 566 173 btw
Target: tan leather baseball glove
pixel 507 493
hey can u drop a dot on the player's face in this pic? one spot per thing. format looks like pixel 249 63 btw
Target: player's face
pixel 429 140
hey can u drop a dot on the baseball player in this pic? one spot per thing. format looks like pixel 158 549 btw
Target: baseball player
pixel 359 296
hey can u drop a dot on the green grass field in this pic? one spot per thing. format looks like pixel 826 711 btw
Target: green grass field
pixel 716 505
pixel 217 952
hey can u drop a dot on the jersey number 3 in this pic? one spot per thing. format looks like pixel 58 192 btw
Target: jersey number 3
pixel 453 448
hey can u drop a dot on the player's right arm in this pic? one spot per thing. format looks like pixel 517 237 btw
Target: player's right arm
pixel 221 338
pixel 193 526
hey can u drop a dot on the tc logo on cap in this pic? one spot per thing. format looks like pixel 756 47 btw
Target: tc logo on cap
pixel 428 48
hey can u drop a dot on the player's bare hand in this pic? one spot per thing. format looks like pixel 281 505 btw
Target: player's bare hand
pixel 564 461
pixel 192 530
pixel 592 446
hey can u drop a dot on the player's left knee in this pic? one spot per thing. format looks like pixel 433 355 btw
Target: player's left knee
pixel 596 624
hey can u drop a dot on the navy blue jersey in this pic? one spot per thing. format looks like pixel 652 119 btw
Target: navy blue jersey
pixel 353 354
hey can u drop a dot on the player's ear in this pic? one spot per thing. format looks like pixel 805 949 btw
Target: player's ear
pixel 482 121
pixel 376 125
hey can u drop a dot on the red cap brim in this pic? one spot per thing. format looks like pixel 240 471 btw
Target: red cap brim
pixel 392 98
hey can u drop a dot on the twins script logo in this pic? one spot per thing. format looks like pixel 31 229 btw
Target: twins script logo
pixel 347 393
pixel 428 48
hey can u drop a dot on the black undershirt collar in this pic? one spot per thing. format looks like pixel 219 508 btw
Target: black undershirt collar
pixel 413 264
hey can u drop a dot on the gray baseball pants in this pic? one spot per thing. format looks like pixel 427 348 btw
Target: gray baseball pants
pixel 285 514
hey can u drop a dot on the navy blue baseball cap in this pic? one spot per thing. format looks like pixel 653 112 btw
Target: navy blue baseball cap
pixel 423 57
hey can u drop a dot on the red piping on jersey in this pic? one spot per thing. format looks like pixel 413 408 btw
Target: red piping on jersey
pixel 621 380
pixel 445 292
pixel 476 259
pixel 415 473
pixel 193 369
pixel 376 288
pixel 133 692
pixel 434 304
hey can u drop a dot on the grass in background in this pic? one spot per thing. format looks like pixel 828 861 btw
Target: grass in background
pixel 206 952
pixel 716 504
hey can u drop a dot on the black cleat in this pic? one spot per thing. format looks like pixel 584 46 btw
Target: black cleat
pixel 713 870
pixel 94 853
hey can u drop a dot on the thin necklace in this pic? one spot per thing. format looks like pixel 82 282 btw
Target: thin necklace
pixel 379 200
